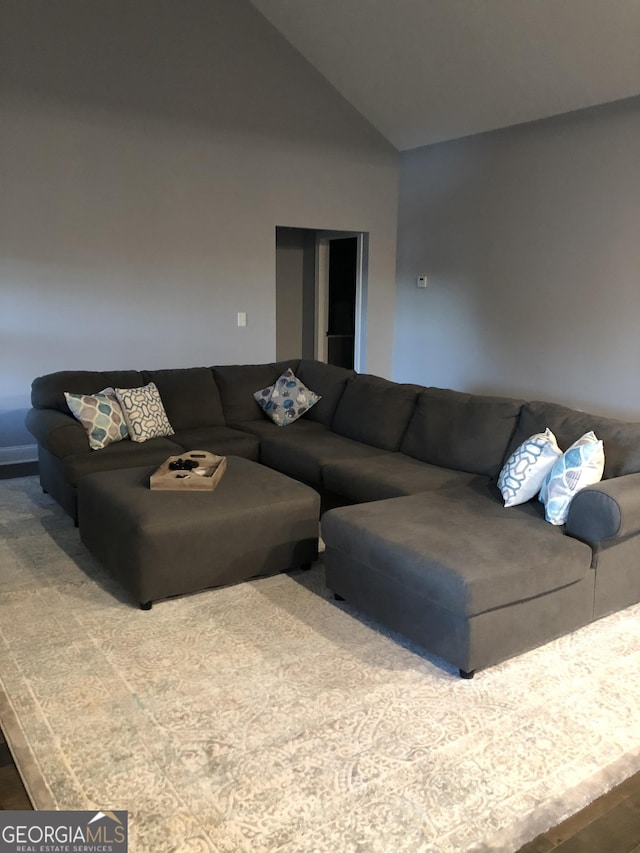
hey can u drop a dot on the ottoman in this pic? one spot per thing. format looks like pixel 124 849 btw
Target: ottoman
pixel 158 544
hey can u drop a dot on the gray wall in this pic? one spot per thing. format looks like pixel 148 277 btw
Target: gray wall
pixel 295 293
pixel 530 237
pixel 148 152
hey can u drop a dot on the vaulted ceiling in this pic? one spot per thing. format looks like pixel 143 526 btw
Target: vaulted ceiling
pixel 422 71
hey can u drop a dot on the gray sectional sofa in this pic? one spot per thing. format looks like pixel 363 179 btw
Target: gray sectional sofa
pixel 415 530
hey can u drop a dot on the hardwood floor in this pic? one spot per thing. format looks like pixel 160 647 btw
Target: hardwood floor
pixel 611 824
pixel 12 792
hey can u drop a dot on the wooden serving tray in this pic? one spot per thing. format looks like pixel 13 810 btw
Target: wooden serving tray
pixel 204 478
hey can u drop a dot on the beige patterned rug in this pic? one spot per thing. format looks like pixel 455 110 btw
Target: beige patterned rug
pixel 265 717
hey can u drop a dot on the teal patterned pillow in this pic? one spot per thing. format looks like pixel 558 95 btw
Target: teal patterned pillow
pixel 524 471
pixel 580 466
pixel 144 412
pixel 286 400
pixel 101 416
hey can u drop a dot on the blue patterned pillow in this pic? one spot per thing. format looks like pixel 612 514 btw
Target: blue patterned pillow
pixel 101 416
pixel 580 466
pixel 286 400
pixel 524 471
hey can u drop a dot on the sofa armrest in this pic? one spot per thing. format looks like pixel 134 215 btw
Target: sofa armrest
pixel 60 434
pixel 608 510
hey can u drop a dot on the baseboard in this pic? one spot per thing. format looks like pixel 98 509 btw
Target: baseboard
pixel 19 454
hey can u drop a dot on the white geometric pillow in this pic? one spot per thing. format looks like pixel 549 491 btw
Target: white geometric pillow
pixel 580 466
pixel 524 471
pixel 101 416
pixel 286 400
pixel 144 412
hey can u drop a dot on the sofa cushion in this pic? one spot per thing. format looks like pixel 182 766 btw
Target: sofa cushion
pixel 267 429
pixel 621 439
pixel 387 475
pixel 286 400
pixel 144 412
pixel 466 432
pixel 47 392
pixel 329 382
pixel 375 411
pixel 462 551
pixel 101 416
pixel 303 453
pixel 237 384
pixel 525 470
pixel 222 440
pixel 190 396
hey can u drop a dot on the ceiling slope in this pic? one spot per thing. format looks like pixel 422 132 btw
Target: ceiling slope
pixel 422 71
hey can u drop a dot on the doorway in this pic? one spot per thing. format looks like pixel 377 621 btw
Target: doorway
pixel 321 295
pixel 341 301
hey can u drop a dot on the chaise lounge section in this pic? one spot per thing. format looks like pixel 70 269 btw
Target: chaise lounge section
pixel 459 574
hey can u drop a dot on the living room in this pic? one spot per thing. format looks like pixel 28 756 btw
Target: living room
pixel 150 152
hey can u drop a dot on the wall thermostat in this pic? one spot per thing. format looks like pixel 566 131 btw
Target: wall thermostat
pixel 422 281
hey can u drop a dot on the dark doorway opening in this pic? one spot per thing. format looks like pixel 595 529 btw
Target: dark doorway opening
pixel 341 325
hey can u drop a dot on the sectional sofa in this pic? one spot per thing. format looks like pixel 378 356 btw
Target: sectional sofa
pixel 416 532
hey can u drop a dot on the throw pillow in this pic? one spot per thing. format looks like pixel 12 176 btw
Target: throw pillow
pixel 524 471
pixel 101 416
pixel 286 400
pixel 144 412
pixel 580 466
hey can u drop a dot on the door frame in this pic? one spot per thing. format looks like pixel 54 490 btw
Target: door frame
pixel 321 346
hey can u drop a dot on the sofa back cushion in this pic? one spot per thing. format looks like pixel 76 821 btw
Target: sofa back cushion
pixel 47 392
pixel 466 432
pixel 329 382
pixel 189 395
pixel 237 384
pixel 375 411
pixel 621 439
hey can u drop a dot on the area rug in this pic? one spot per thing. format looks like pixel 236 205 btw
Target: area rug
pixel 267 717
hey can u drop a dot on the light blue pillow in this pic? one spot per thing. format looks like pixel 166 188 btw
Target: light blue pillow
pixel 286 400
pixel 101 416
pixel 524 471
pixel 580 466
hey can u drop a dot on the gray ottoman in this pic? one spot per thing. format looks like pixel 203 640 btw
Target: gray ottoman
pixel 163 543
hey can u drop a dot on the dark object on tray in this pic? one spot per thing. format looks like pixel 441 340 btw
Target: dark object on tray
pixel 196 471
pixel 183 464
